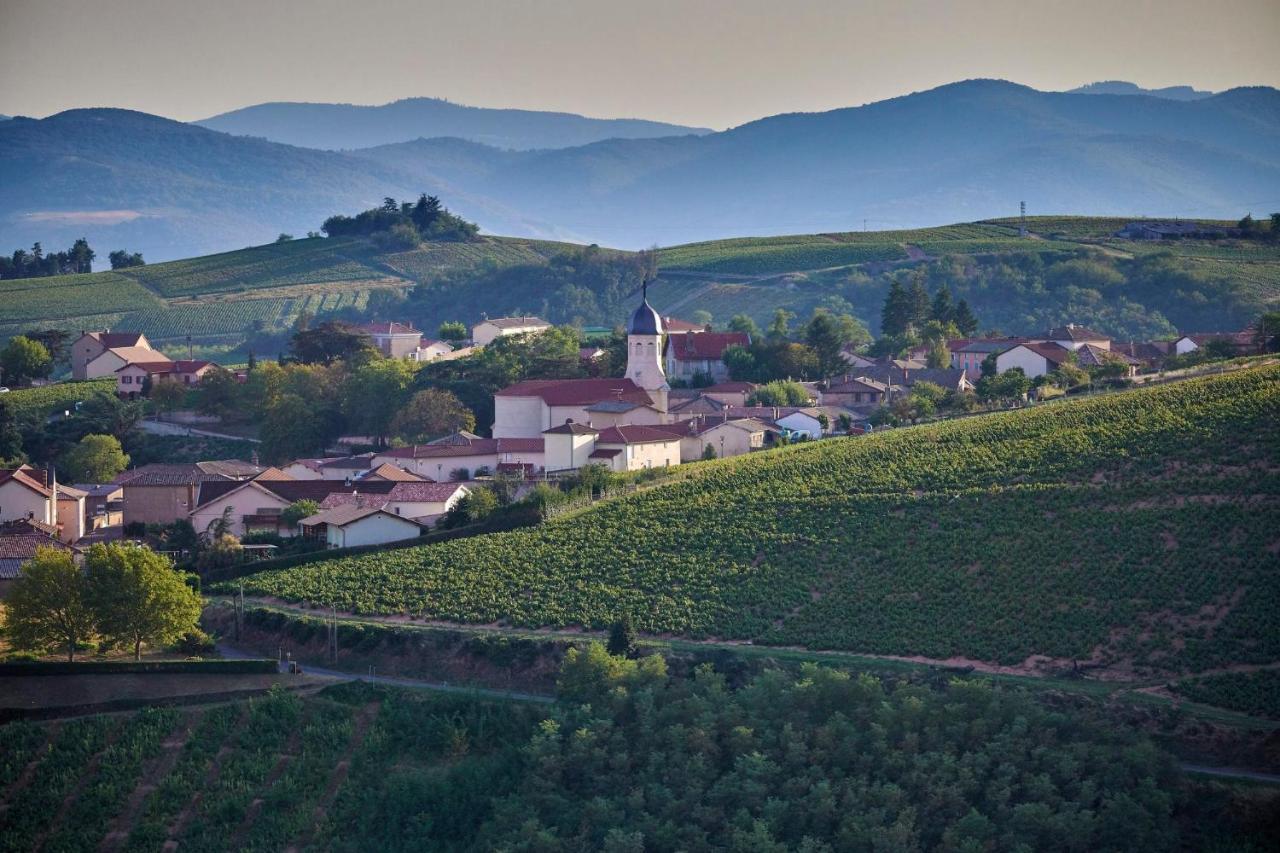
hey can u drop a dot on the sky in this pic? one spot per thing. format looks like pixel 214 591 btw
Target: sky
pixel 711 63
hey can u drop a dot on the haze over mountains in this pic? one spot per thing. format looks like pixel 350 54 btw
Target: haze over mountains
pixel 337 126
pixel 960 152
pixel 1122 87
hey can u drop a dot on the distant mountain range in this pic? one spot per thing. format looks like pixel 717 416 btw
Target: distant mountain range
pixel 1122 87
pixel 960 152
pixel 339 126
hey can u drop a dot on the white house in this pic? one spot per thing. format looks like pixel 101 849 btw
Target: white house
pixel 630 447
pixel 109 361
pixel 422 501
pixel 352 526
pixel 440 459
pixel 394 340
pixel 430 350
pixel 1034 359
pixel 726 436
pixel 24 494
pixel 701 353
pixel 487 331
pixel 90 345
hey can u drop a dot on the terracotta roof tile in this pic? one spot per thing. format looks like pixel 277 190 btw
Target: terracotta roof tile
pixel 705 345
pixel 577 392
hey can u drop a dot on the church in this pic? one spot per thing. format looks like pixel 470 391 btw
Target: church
pixel 528 409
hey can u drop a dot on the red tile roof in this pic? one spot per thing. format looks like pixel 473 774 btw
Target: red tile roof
pixel 387 471
pixel 730 388
pixel 290 491
pixel 632 434
pixel 577 392
pixel 30 477
pixel 515 322
pixel 675 324
pixel 602 453
pixel 18 548
pixel 400 492
pixel 705 345
pixel 1054 353
pixel 475 447
pixel 112 340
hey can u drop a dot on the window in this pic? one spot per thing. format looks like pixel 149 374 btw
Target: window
pixel 126 380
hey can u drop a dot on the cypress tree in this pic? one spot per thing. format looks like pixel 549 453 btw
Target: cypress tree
pixel 964 319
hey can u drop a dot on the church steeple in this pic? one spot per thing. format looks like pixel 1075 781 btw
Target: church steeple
pixel 644 349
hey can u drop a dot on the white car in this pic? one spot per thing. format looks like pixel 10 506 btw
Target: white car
pixel 3 390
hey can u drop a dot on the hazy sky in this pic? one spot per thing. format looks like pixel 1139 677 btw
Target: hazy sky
pixel 707 62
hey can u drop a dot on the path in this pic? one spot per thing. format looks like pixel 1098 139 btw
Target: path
pixel 395 681
pixel 166 428
pixel 1232 773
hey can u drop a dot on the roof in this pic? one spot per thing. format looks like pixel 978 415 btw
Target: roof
pixel 476 447
pixel 1141 350
pixel 26 475
pixel 770 413
pixel 730 388
pixel 675 324
pixel 705 345
pixel 387 471
pixel 632 434
pixel 698 426
pixel 421 492
pixel 343 515
pixel 1244 338
pixel 516 322
pixel 115 340
pixel 577 392
pixel 947 377
pixel 388 328
pixel 132 354
pixel 18 548
pixel 1051 352
pixel 645 320
pixel 604 453
pixel 1092 355
pixel 363 462
pixel 273 474
pixel 71 492
pixel 700 404
pixel 571 428
pixel 1072 332
pixel 615 406
pixel 291 491
pixel 458 437
pixel 98 490
pixel 856 384
pixel 992 345
pixel 179 474
pixel 28 525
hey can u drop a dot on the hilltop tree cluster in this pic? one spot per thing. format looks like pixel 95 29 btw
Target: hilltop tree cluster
pixel 36 262
pixel 402 225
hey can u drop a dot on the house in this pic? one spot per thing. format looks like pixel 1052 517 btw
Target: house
pixel 687 403
pixel 1090 356
pixel 1243 343
pixel 855 391
pixel 255 506
pixel 526 409
pixel 132 377
pixel 394 340
pixel 70 512
pixel 700 354
pixel 352 526
pixel 103 505
pixel 430 349
pixel 1035 359
pixel 1073 337
pixel 1145 353
pixel 18 546
pixel 387 471
pixel 616 412
pixel 730 393
pixel 464 455
pixel 109 361
pixel 422 501
pixel 725 436
pixel 899 378
pixel 161 493
pixel 793 420
pixel 344 467
pixel 26 493
pixel 90 345
pixel 969 357
pixel 630 447
pixel 487 331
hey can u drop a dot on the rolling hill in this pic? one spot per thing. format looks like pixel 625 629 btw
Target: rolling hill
pixel 1135 532
pixel 1122 87
pixel 337 126
pixel 957 153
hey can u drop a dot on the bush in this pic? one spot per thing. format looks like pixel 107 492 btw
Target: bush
pixel 194 643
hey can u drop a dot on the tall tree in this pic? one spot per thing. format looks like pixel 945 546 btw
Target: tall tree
pixel 920 306
pixel 290 430
pixel 95 459
pixel 896 315
pixel 48 606
pixel 964 319
pixel 430 414
pixel 23 360
pixel 744 323
pixel 11 451
pixel 942 310
pixel 825 337
pixel 137 596
pixel 780 328
pixel 123 259
pixel 330 342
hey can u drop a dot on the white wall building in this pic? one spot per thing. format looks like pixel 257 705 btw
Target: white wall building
pixel 487 331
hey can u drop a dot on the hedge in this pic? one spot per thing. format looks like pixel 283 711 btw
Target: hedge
pixel 155 667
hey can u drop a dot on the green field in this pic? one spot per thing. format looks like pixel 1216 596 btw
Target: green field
pixel 34 299
pixel 1099 530
pixel 436 258
pixel 36 404
pixel 1251 692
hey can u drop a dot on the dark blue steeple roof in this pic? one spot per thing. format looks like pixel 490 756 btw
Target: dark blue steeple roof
pixel 645 320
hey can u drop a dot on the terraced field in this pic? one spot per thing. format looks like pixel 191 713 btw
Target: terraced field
pixel 1135 531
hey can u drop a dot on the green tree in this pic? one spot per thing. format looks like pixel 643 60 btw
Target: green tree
pixel 478 504
pixel 1266 335
pixel 290 430
pixel 138 598
pixel 11 451
pixel 123 259
pixel 744 323
pixel 299 510
pixel 95 459
pixel 964 319
pixel 896 315
pixel 373 395
pixel 48 606
pixel 331 341
pixel 430 414
pixel 622 637
pixel 919 303
pixel 453 331
pixel 779 393
pixel 23 360
pixel 740 362
pixel 702 318
pixel 780 328
pixel 219 393
pixel 167 396
pixel 942 310
pixel 826 338
pixel 55 341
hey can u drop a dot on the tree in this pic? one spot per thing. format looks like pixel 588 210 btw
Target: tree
pixel 779 393
pixel 299 510
pixel 430 414
pixel 780 328
pixel 373 395
pixel 709 452
pixel 1266 335
pixel 167 396
pixel 622 637
pixel 477 505
pixel 95 459
pixel 290 430
pixel 964 319
pixel 896 315
pixel 740 363
pixel 107 413
pixel 919 303
pixel 703 318
pixel 1013 384
pixel 48 606
pixel 223 550
pixel 55 341
pixel 219 392
pixel 11 450
pixel 942 310
pixel 138 597
pixel 329 342
pixel 744 323
pixel 825 337
pixel 23 360
pixel 453 331
pixel 122 259
pixel 283 237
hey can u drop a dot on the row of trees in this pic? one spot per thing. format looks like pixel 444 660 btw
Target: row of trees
pixel 124 596
pixel 36 263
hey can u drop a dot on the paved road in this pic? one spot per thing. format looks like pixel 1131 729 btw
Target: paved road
pixel 393 681
pixel 1232 773
pixel 167 428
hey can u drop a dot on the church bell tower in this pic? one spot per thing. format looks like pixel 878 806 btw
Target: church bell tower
pixel 644 351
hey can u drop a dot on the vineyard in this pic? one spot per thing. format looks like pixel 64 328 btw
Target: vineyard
pixel 248 776
pixel 36 404
pixel 433 259
pixel 1251 692
pixel 1135 531
pixel 70 295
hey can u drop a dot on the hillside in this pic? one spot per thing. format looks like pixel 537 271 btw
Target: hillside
pixel 957 153
pixel 1068 269
pixel 337 126
pixel 1134 532
pixel 1123 87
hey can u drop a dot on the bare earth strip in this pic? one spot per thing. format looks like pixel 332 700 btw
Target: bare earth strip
pixel 24 778
pixel 364 721
pixel 291 749
pixel 155 770
pixel 90 770
pixel 180 824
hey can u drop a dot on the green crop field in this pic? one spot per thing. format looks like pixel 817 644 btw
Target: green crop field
pixel 33 299
pixel 433 259
pixel 1251 692
pixel 769 256
pixel 33 404
pixel 1100 529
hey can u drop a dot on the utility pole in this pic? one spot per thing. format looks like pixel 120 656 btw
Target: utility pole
pixel 1022 219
